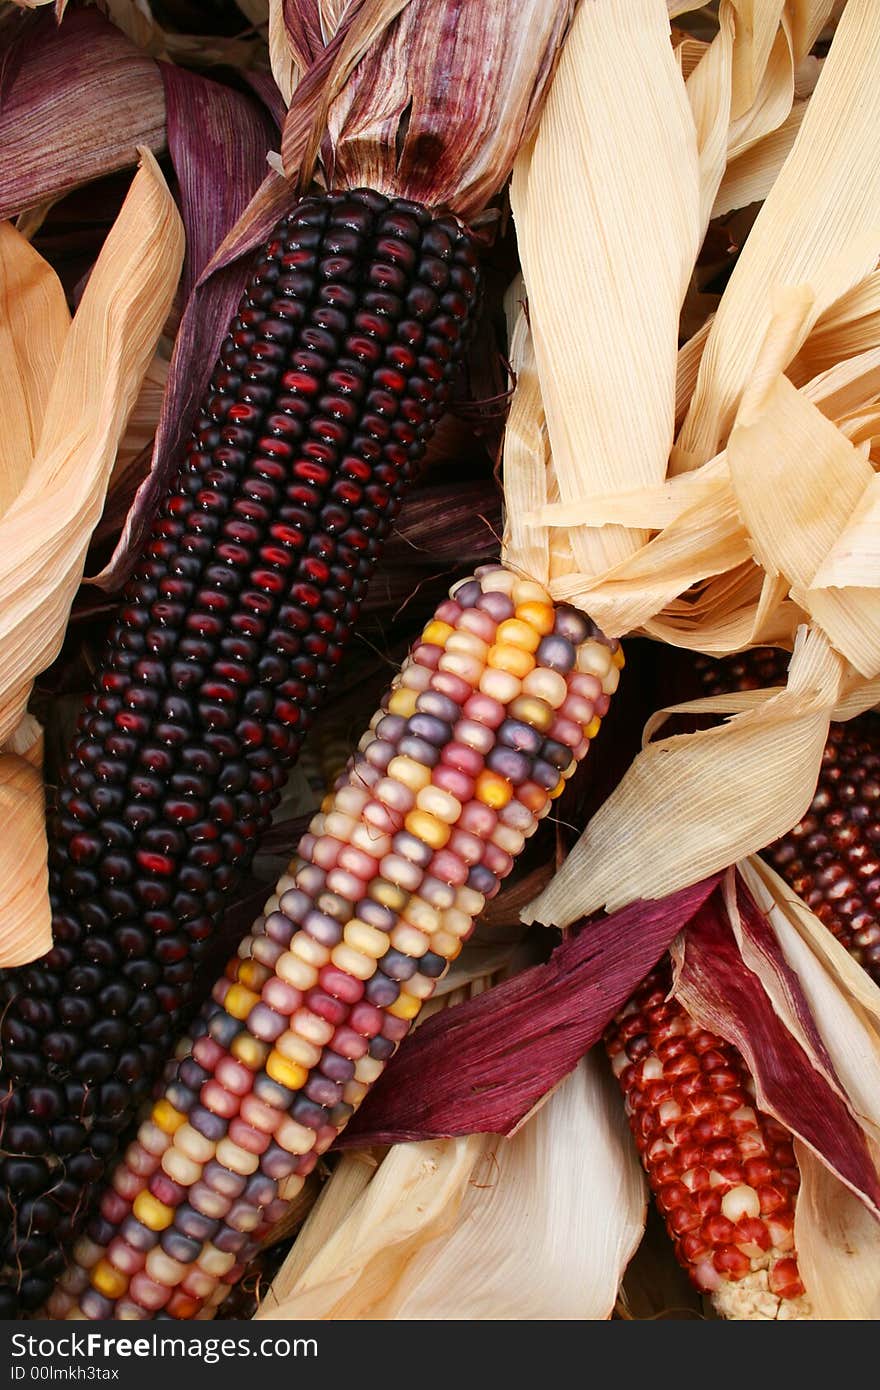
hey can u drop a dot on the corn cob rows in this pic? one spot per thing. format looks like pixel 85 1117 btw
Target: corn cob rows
pixel 483 725
pixel 723 1174
pixel 337 365
pixel 831 858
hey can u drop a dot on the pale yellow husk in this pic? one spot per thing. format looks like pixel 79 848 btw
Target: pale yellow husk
pixel 474 1228
pixel 838 1245
pixel 68 389
pixel 723 494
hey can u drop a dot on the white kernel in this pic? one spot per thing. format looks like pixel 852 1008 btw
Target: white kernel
pixel 740 1201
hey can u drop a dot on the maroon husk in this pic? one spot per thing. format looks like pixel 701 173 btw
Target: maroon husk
pixel 218 140
pixel 716 987
pixel 481 1066
pixel 264 86
pixel 63 76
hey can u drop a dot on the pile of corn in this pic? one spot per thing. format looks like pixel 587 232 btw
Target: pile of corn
pixel 253 399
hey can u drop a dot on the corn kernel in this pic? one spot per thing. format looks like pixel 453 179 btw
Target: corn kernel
pixel 403 701
pixel 539 616
pixel 286 1073
pixel 428 828
pixel 436 633
pixel 405 1006
pixel 239 1001
pixel 408 940
pixel 515 660
pixel 618 658
pixel 233 1156
pixel 558 789
pixel 353 962
pixel 166 1117
pixel 447 944
pixel 153 1214
pixel 249 1050
pixel 593 727
pixel 180 1168
pixel 422 916
pixel 412 774
pixel 517 634
pixel 253 975
pixel 295 971
pixel 298 1049
pixel 366 939
pixel 108 1280
pixel 294 1137
pixel 193 1145
pixel 439 803
pixel 492 790
pixel 368 1069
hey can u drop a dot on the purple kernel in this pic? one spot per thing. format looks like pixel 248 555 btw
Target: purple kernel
pixel 557 652
pixel 498 606
pixel 420 750
pixel 223 1180
pixel 381 1048
pixel 276 1163
pixel 179 1246
pixel 228 1239
pixel 193 1224
pixel 272 1092
pixel 482 880
pixel 212 1126
pixel 439 706
pixel 323 928
pixel 435 731
pixel 468 593
pixel 376 914
pixel 322 1090
pixel 335 1067
pixel 265 1023
pixel 508 763
pixel 571 624
pixel 397 966
pixel 412 848
pixel 380 990
pixel 513 733
pixel 391 727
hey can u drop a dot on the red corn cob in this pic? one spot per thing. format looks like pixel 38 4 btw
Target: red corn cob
pixel 339 361
pixel 831 858
pixel 480 731
pixel 723 1174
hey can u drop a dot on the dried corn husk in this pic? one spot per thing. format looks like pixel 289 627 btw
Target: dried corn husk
pixel 472 1228
pixel 757 519
pixel 68 392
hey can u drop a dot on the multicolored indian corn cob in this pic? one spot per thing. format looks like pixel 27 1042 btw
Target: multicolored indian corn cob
pixel 723 1174
pixel 338 363
pixel 831 858
pixel 486 720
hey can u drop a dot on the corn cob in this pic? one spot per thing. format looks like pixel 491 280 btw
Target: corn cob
pixel 831 858
pixel 486 720
pixel 723 1174
pixel 339 361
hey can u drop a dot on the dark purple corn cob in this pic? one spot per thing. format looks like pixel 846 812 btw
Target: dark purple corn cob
pixel 339 362
pixel 831 858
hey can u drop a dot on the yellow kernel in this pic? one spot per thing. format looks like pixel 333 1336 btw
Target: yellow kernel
pixel 389 894
pixel 517 634
pixel 593 727
pixel 498 580
pixel 508 839
pixel 368 1069
pixel 108 1280
pixel 326 804
pixel 514 660
pixel 611 681
pixel 353 1092
pixel 166 1117
pixel 403 701
pixel 193 1144
pixel 252 974
pixel 437 633
pixel 239 1001
pixel 469 644
pixel 233 1156
pixel 422 916
pixel 353 962
pixel 180 1168
pixel 295 971
pixel 404 1006
pixel 439 803
pixel 532 711
pixel 406 770
pixel 547 685
pixel 493 790
pixel 539 616
pixel 408 939
pixel 469 900
pixel 558 789
pixel 594 659
pixel 421 987
pixel 294 1137
pixel 309 950
pixel 447 943
pixel 309 1026
pixel 454 922
pixel 369 940
pixel 152 1213
pixel 249 1051
pixel 618 658
pixel 530 591
pixel 433 832
pixel 298 1049
pixel 467 668
pixel 215 1262
pixel 289 1074
pixel 502 686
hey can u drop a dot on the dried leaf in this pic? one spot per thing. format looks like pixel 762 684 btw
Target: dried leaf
pixel 482 1066
pixel 838 1245
pixel 25 922
pixel 45 530
pixel 77 101
pixel 509 1244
